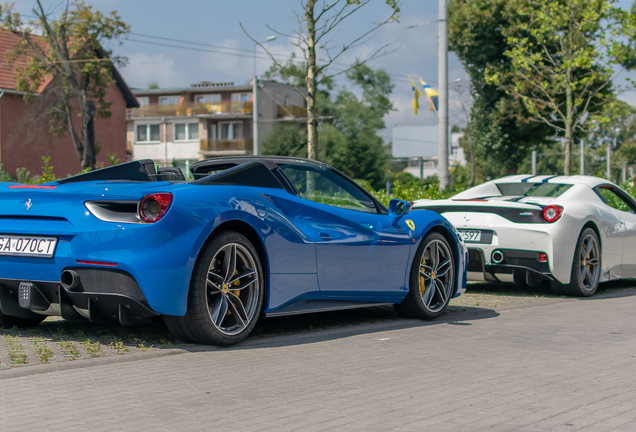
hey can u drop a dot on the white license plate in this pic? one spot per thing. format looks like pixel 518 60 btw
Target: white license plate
pixel 42 247
pixel 470 235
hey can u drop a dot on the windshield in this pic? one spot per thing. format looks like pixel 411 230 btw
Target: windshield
pixel 533 189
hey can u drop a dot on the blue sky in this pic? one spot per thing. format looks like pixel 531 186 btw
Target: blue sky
pixel 216 22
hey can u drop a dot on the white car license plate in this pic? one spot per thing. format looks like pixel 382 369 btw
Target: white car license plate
pixel 42 247
pixel 470 235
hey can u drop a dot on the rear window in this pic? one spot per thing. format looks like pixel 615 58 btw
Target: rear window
pixel 533 189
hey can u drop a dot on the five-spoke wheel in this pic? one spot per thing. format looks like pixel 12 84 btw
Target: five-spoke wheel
pixel 586 267
pixel 226 293
pixel 432 280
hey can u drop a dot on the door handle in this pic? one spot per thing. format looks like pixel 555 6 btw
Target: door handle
pixel 325 236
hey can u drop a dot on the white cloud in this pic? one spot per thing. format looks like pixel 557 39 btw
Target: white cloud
pixel 143 69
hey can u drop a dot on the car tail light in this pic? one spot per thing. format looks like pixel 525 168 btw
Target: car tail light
pixel 543 257
pixel 152 207
pixel 552 213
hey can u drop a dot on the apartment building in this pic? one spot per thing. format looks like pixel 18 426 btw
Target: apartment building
pixel 182 125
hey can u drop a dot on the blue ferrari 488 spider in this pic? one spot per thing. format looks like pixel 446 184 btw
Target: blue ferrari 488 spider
pixel 249 237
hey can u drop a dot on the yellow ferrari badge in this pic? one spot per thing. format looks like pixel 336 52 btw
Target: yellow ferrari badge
pixel 410 223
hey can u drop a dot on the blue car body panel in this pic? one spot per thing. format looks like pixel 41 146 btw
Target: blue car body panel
pixel 312 251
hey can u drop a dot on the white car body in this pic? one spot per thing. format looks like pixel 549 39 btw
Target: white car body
pixel 483 209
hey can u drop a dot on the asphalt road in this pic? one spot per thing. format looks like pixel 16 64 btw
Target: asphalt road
pixel 566 365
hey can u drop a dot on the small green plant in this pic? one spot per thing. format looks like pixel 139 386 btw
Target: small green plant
pixel 113 159
pixel 94 349
pixel 47 171
pixel 42 349
pixel 22 175
pixel 17 354
pixel 69 350
pixel 118 347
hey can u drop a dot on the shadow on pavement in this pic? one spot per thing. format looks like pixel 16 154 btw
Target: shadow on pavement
pixel 325 326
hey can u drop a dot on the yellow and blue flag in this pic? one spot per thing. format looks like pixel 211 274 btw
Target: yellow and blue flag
pixel 432 95
pixel 416 95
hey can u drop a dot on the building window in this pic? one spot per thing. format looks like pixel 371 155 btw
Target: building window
pixel 286 101
pixel 186 131
pixel 241 97
pixel 148 133
pixel 169 100
pixel 143 100
pixel 231 130
pixel 208 98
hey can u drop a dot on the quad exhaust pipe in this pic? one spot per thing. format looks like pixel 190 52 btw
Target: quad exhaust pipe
pixel 70 280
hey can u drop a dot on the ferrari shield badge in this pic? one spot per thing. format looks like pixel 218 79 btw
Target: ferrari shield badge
pixel 410 223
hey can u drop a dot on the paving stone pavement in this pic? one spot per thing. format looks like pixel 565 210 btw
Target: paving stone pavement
pixel 558 366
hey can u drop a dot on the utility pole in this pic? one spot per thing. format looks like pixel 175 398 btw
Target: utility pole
pixel 582 157
pixel 442 144
pixel 255 147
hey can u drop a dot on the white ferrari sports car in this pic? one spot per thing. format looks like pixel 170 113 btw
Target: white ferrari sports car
pixel 571 231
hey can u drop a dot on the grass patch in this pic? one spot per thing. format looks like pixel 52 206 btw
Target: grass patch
pixel 41 348
pixel 69 350
pixel 94 349
pixel 17 353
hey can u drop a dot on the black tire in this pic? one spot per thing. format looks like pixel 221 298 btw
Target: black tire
pixel 8 321
pixel 586 267
pixel 226 293
pixel 432 279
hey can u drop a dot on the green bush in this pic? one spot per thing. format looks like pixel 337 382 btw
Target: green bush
pixel 411 191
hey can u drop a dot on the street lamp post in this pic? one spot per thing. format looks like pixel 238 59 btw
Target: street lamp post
pixel 609 172
pixel 442 145
pixel 255 100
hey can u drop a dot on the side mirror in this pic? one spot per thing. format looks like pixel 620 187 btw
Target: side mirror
pixel 398 208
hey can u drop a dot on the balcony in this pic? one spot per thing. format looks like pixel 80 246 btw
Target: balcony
pixel 236 146
pixel 192 109
pixel 292 111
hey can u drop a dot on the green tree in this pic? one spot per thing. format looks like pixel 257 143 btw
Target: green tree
pixel 501 134
pixel 318 21
pixel 562 54
pixel 348 134
pixel 286 140
pixel 70 52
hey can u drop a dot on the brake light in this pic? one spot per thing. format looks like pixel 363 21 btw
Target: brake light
pixel 154 206
pixel 552 213
pixel 31 187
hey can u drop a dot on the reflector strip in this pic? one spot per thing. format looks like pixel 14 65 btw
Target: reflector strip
pixel 97 263
pixel 31 187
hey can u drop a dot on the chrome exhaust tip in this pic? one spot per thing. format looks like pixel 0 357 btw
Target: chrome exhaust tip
pixel 497 256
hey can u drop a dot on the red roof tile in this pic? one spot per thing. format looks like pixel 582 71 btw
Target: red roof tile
pixel 8 41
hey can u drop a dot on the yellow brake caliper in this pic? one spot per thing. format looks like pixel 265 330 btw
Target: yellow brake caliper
pixel 235 292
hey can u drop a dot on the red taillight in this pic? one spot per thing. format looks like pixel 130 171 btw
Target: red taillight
pixel 31 187
pixel 152 207
pixel 552 213
pixel 543 257
pixel 99 263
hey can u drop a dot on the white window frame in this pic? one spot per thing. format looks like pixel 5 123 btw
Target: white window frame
pixel 188 127
pixel 215 95
pixel 143 100
pixel 236 97
pixel 148 135
pixel 220 129
pixel 174 98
